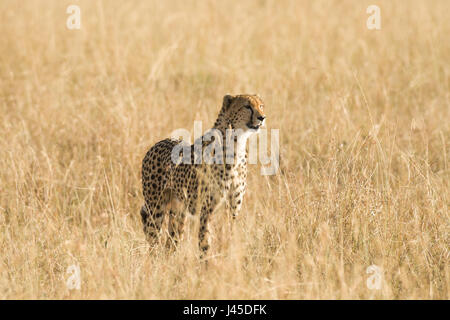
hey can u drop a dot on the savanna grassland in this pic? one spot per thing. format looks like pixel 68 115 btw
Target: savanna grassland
pixel 364 119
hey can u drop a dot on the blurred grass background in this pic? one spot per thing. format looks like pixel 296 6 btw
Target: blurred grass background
pixel 364 135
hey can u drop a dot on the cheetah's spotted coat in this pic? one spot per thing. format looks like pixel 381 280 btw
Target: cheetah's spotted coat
pixel 199 188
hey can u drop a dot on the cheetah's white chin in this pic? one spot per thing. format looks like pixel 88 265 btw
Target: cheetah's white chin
pixel 254 127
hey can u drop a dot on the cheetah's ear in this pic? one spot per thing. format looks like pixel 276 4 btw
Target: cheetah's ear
pixel 227 99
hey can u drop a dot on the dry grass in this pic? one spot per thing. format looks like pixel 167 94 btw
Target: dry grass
pixel 364 136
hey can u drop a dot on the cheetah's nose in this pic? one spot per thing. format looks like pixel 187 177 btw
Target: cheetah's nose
pixel 261 118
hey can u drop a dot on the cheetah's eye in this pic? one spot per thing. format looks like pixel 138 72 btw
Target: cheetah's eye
pixel 248 107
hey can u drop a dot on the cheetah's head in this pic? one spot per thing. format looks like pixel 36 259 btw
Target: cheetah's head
pixel 243 111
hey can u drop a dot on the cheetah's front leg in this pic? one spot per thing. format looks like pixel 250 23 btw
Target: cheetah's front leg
pixel 203 234
pixel 177 220
pixel 235 199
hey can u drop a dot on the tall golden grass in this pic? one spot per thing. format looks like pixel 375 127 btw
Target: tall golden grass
pixel 364 135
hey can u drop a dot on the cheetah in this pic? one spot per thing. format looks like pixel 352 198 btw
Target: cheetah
pixel 175 187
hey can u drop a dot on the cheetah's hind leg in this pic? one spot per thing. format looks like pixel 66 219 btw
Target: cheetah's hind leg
pixel 177 218
pixel 152 219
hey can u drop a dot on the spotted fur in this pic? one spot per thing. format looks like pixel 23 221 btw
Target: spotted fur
pixel 173 189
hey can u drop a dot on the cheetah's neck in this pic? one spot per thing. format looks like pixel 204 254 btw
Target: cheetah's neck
pixel 240 140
